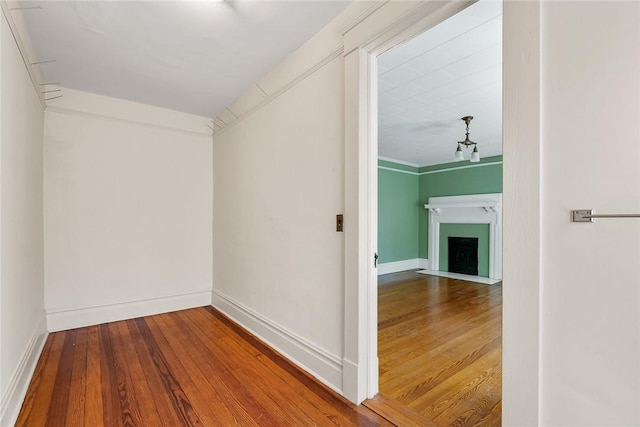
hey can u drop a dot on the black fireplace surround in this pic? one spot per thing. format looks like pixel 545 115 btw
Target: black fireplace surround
pixel 463 255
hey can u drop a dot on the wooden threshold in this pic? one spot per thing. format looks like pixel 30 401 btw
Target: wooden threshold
pixel 397 412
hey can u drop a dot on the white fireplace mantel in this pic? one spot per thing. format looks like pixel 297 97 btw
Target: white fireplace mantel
pixel 472 209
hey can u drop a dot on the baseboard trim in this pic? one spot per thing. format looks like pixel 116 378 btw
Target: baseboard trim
pixel 324 366
pixel 407 264
pixel 17 388
pixel 350 383
pixel 59 320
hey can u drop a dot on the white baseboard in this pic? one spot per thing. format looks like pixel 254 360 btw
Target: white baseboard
pixel 86 316
pixel 467 277
pixel 354 389
pixel 404 265
pixel 350 385
pixel 324 366
pixel 423 263
pixel 16 390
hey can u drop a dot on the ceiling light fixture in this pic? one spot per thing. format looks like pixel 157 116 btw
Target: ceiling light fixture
pixel 475 155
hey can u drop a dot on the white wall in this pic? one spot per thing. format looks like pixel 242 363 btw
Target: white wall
pixel 278 186
pixel 590 348
pixel 128 208
pixel 22 321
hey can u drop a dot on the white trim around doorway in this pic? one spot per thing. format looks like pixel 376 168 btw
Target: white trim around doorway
pixel 388 26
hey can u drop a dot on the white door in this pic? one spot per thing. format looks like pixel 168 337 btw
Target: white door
pixel 590 275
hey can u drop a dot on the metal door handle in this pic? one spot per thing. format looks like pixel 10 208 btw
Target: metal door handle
pixel 587 215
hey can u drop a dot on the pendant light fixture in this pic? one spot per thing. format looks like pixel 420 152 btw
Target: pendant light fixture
pixel 475 155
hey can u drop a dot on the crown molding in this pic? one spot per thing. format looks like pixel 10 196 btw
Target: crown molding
pixel 13 16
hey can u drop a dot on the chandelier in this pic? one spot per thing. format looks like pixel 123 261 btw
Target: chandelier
pixel 475 155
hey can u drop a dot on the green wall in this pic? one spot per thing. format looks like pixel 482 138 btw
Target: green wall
pixel 404 223
pixel 397 212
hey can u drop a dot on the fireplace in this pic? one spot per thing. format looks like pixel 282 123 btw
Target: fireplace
pixel 463 255
pixel 470 209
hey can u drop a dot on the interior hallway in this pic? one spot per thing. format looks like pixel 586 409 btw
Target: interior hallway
pixel 440 351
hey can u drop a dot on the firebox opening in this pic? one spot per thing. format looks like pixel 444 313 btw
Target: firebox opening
pixel 463 255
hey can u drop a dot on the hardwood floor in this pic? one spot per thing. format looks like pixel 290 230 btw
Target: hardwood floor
pixel 440 364
pixel 187 368
pixel 439 346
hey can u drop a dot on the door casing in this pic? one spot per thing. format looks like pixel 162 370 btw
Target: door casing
pixel 522 193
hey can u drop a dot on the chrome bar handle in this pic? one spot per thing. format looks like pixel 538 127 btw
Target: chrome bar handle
pixel 587 215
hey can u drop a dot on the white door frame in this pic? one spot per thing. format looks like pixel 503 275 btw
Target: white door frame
pixel 386 27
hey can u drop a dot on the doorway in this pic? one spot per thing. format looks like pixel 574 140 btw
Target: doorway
pixel 395 23
pixel 439 339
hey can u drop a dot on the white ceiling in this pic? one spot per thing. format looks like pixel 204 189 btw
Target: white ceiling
pixel 199 56
pixel 191 56
pixel 428 84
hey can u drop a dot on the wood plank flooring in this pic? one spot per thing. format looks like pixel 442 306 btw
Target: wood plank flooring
pixel 188 368
pixel 440 351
